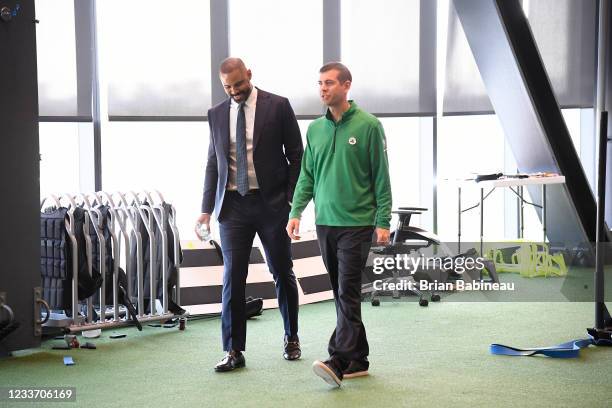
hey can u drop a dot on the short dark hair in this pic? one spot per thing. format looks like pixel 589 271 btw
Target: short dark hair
pixel 230 64
pixel 343 72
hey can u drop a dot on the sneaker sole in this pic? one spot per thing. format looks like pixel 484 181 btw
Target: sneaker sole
pixel 357 374
pixel 326 374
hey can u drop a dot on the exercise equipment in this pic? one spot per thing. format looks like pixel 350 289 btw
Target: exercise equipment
pixel 85 238
pixel 529 259
pixel 570 349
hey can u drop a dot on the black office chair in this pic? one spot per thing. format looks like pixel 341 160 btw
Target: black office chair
pixel 405 232
pixel 405 240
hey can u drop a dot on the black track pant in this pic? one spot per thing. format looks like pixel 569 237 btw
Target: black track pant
pixel 345 251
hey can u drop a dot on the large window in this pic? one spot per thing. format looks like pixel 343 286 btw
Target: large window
pixel 282 42
pixel 155 60
pixel 469 145
pixel 59 158
pixel 168 156
pixel 403 151
pixel 474 144
pixel 155 57
pixel 372 36
pixel 564 32
pixel 56 55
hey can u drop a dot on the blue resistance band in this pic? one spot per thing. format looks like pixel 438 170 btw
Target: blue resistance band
pixel 571 349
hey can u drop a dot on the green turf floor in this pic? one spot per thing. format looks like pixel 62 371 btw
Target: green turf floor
pixel 420 357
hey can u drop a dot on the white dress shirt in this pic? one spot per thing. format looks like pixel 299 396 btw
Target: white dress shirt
pixel 249 115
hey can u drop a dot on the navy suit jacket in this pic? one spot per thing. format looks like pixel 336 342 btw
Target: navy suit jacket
pixel 277 152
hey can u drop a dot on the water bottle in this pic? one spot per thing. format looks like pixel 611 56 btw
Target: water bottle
pixel 204 232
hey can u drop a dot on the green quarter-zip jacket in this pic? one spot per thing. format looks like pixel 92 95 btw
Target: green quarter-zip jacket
pixel 345 171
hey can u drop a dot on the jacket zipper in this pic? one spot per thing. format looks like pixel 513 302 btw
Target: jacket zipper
pixel 334 139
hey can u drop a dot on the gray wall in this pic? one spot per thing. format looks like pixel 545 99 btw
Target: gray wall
pixel 19 172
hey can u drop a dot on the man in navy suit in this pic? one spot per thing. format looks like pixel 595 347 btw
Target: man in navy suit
pixel 254 159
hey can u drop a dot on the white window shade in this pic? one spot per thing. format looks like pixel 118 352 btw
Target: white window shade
pixel 464 90
pixel 281 41
pixel 381 45
pixel 155 57
pixel 56 58
pixel 565 34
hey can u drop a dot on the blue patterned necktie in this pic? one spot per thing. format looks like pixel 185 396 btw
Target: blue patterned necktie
pixel 242 179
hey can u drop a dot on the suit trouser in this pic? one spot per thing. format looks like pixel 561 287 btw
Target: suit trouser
pixel 242 217
pixel 345 252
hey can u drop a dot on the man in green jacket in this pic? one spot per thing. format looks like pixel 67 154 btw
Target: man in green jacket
pixel 346 172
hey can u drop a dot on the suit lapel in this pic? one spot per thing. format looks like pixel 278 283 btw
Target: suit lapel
pixel 260 115
pixel 224 126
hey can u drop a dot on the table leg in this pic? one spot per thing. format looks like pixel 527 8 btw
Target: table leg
pixel 481 219
pixel 544 213
pixel 521 213
pixel 459 221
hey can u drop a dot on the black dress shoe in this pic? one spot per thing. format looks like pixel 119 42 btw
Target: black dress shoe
pixel 292 348
pixel 231 361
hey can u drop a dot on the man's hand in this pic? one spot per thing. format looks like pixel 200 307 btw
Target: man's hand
pixel 204 218
pixel 293 228
pixel 382 236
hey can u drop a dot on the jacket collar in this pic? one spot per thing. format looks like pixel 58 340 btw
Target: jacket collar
pixel 260 115
pixel 346 115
